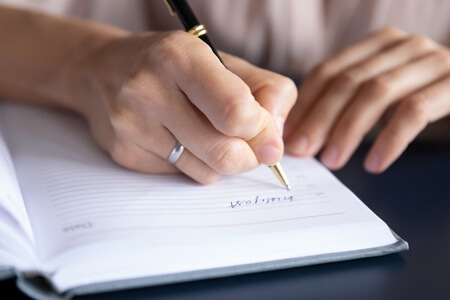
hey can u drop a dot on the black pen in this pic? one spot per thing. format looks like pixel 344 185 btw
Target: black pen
pixel 190 23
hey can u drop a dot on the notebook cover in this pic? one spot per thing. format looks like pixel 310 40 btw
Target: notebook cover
pixel 44 293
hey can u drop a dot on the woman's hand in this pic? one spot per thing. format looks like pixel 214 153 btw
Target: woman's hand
pixel 143 93
pixel 404 78
pixel 150 91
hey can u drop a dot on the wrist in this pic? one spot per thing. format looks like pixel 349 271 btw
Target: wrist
pixel 102 71
pixel 82 92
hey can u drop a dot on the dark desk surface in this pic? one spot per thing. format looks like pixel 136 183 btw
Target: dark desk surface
pixel 413 197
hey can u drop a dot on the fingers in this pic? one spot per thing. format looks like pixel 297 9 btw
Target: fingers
pixel 276 93
pixel 349 93
pixel 225 100
pixel 134 157
pixel 196 168
pixel 321 76
pixel 208 153
pixel 145 147
pixel 223 154
pixel 412 115
pixel 137 158
pixel 318 123
pixel 156 119
pixel 169 96
pixel 373 100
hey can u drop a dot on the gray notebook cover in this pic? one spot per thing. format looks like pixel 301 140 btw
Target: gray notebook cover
pixel 40 288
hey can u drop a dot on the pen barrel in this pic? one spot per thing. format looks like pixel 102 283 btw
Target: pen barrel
pixel 187 19
pixel 190 21
pixel 186 16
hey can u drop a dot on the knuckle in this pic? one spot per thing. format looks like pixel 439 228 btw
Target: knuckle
pixel 121 117
pixel 226 157
pixel 444 58
pixel 416 110
pixel 324 71
pixel 234 114
pixel 421 42
pixel 287 87
pixel 391 32
pixel 122 155
pixel 347 80
pixel 378 87
pixel 168 50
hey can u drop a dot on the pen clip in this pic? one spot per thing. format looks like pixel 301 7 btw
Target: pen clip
pixel 172 11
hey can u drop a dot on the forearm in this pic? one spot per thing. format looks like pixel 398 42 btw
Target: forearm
pixel 41 57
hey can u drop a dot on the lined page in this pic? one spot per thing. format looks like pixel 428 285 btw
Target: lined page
pixel 79 199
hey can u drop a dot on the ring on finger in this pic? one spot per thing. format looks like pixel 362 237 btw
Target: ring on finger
pixel 176 153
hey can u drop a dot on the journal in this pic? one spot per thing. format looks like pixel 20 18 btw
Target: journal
pixel 74 222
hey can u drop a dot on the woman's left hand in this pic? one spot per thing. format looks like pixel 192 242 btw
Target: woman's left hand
pixel 345 96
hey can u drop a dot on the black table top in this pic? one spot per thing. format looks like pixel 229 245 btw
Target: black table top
pixel 412 197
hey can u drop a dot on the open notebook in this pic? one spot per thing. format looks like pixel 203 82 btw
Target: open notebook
pixel 71 216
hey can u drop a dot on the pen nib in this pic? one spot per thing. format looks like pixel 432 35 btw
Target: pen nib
pixel 277 169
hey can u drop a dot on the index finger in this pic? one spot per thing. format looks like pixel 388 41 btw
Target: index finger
pixel 220 95
pixel 319 79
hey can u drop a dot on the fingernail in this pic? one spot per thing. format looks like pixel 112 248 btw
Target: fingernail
pixel 373 162
pixel 330 156
pixel 280 124
pixel 269 154
pixel 301 145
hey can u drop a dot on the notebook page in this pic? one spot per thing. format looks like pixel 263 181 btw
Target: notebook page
pixel 16 238
pixel 10 195
pixel 87 210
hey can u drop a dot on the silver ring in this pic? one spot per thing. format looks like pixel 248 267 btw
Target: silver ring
pixel 176 153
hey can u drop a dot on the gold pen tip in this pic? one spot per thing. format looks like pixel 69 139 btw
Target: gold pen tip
pixel 288 187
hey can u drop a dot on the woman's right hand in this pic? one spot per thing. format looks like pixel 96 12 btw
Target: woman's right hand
pixel 149 91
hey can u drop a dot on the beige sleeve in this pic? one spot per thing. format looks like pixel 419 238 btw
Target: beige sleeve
pixel 288 36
